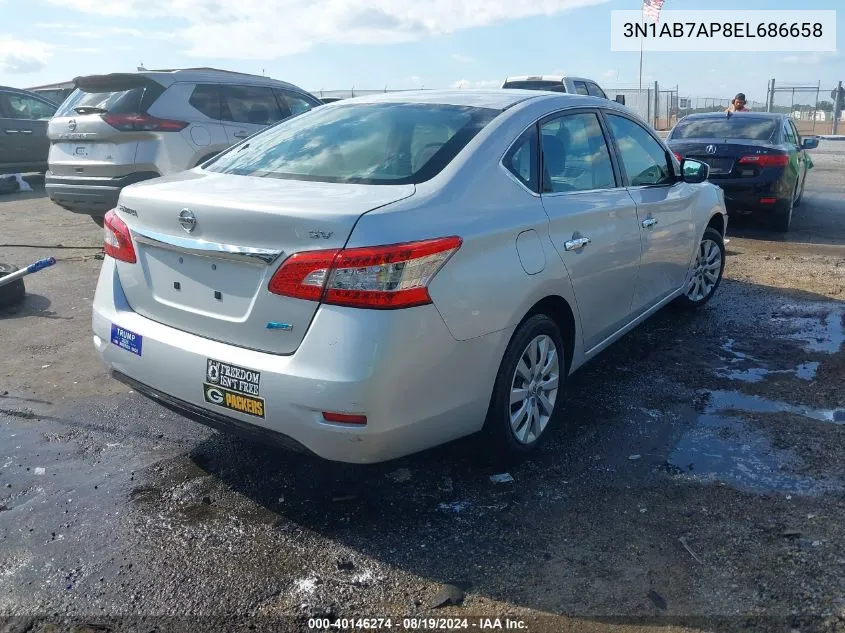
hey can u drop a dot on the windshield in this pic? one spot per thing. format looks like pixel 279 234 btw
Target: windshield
pixel 554 86
pixel 382 143
pixel 739 126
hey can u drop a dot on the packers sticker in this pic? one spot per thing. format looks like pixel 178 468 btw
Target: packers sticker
pixel 234 401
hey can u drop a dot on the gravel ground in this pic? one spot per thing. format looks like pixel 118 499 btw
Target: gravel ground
pixel 697 483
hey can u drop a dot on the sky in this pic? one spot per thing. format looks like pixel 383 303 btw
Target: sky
pixel 375 44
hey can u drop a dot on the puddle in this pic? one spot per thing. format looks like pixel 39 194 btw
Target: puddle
pixel 818 327
pixel 736 401
pixel 804 371
pixel 725 449
pixel 722 447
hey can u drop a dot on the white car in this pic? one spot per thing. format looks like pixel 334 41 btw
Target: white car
pixel 118 129
pixel 384 274
pixel 559 83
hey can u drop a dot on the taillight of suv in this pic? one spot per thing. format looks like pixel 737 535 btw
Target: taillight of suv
pixel 142 123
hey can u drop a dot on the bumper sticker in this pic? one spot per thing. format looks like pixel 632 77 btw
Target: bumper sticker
pixel 126 339
pixel 234 401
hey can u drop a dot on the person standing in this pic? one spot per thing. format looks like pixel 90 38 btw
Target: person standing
pixel 738 104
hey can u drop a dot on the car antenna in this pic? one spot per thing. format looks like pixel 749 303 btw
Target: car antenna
pixel 730 114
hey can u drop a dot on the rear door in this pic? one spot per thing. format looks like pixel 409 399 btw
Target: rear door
pixel 249 109
pixel 796 169
pixel 83 144
pixel 593 221
pixel 25 127
pixel 664 210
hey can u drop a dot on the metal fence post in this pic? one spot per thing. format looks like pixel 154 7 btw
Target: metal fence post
pixel 770 98
pixel 837 109
pixel 656 103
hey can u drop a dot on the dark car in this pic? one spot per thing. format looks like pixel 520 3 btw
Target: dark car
pixel 758 158
pixel 24 145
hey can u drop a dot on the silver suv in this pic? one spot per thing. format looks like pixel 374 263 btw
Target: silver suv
pixel 119 129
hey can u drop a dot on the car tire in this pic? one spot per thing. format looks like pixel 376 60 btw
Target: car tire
pixel 700 286
pixel 11 294
pixel 800 193
pixel 533 370
pixel 781 220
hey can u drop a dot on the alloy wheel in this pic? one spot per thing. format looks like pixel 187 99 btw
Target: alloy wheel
pixel 705 273
pixel 534 389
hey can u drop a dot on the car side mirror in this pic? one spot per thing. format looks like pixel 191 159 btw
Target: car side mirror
pixel 620 99
pixel 810 143
pixel 693 171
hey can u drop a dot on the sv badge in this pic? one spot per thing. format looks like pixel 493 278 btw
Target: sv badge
pixel 317 235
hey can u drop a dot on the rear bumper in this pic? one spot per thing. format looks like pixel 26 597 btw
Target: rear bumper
pixel 90 195
pixel 416 384
pixel 745 197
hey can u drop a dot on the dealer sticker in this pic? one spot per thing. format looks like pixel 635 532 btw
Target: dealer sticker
pixel 126 339
pixel 233 387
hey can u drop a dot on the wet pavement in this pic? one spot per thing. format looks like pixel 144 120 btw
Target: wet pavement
pixel 697 479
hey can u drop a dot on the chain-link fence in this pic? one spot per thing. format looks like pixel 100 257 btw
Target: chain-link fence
pixel 656 105
pixel 814 108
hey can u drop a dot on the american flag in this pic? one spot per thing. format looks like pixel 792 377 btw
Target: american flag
pixel 651 9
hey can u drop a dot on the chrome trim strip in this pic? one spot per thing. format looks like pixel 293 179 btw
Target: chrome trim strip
pixel 203 248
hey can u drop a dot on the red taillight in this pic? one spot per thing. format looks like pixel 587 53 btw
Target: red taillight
pixel 765 160
pixel 142 123
pixel 381 277
pixel 768 200
pixel 344 418
pixel 118 242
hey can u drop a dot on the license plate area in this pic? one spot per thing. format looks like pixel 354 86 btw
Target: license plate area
pixel 80 151
pixel 209 286
pixel 718 166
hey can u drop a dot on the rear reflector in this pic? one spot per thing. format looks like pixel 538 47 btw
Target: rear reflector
pixel 765 160
pixel 379 277
pixel 117 241
pixel 768 200
pixel 143 123
pixel 343 418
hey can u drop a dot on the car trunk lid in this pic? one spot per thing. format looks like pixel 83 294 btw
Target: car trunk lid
pixel 212 280
pixel 722 154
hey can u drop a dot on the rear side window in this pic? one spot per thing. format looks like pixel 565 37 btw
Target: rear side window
pixel 521 159
pixel 250 104
pixel 595 91
pixel 575 154
pixel 206 99
pixel 580 88
pixel 738 126
pixel 297 104
pixel 15 106
pixel 124 94
pixel 536 84
pixel 375 143
pixel 788 134
pixel 644 159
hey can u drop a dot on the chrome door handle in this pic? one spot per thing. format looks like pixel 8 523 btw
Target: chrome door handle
pixel 11 131
pixel 25 131
pixel 241 134
pixel 577 245
pixel 647 224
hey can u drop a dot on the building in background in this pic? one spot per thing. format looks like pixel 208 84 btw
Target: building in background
pixel 54 92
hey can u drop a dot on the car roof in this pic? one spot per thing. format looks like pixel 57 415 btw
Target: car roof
pixel 167 77
pixel 20 91
pixel 557 78
pixel 497 99
pixel 722 115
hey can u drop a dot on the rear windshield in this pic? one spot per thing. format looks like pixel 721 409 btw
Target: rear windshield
pixel 554 86
pixel 739 126
pixel 115 97
pixel 384 143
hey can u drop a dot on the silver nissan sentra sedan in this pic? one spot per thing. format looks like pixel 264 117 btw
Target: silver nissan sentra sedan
pixel 384 274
